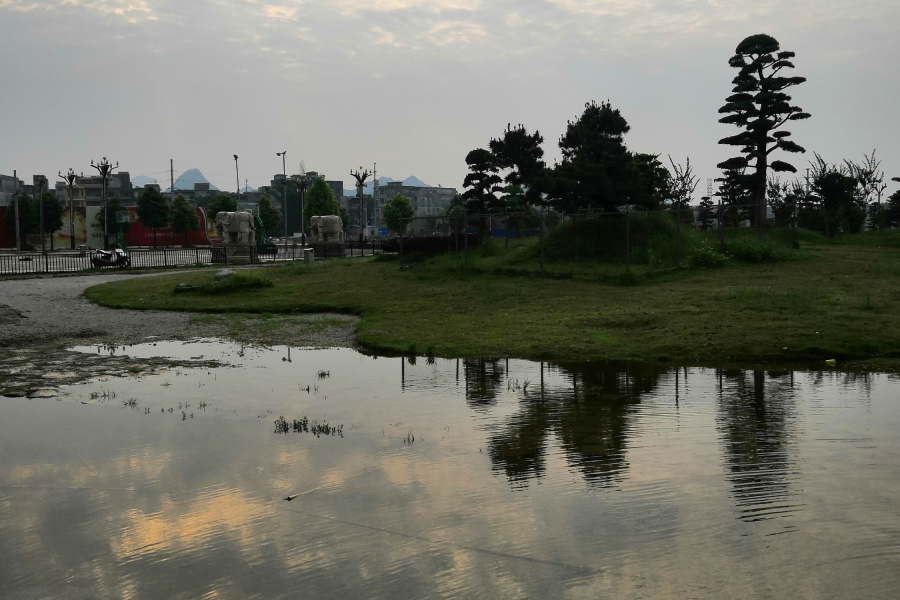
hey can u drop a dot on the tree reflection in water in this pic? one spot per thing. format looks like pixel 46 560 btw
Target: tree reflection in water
pixel 587 408
pixel 757 426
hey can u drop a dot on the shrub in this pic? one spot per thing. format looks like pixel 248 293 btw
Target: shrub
pixel 753 250
pixel 705 256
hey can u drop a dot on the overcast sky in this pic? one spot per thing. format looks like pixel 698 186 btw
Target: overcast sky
pixel 415 84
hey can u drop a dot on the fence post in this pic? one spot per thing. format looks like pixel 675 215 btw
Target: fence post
pixel 721 226
pixel 165 258
pixel 628 238
pixel 401 243
pixel 542 239
pixel 677 240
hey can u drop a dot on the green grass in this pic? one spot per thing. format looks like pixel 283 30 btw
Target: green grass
pixel 230 285
pixel 837 300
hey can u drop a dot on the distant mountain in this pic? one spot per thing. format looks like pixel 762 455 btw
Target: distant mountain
pixel 141 181
pixel 411 181
pixel 187 180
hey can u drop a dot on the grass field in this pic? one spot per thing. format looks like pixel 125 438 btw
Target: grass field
pixel 830 299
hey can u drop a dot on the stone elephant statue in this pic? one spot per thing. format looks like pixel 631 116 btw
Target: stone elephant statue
pixel 329 228
pixel 236 228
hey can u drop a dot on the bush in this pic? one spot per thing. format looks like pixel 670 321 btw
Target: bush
pixel 705 256
pixel 753 250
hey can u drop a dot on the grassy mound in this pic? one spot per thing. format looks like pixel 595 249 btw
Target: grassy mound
pixel 229 285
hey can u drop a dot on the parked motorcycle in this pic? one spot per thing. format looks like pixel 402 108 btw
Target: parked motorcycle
pixel 116 258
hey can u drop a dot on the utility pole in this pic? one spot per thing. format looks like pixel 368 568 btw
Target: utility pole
pixel 378 214
pixel 70 179
pixel 360 177
pixel 39 183
pixel 16 196
pixel 105 169
pixel 172 178
pixel 237 175
pixel 284 194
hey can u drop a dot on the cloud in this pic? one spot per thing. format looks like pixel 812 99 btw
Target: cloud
pixel 132 11
pixel 456 32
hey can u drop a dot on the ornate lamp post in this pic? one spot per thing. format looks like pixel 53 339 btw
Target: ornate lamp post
pixel 40 180
pixel 70 179
pixel 360 177
pixel 105 169
pixel 302 183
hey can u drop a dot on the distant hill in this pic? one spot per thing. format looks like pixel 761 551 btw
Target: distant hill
pixel 141 181
pixel 411 181
pixel 187 180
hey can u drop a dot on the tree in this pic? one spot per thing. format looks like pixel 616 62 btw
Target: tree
pixel 760 106
pixel 482 182
pixel 683 184
pixel 184 217
pixel 53 214
pixel 269 215
pixel 706 215
pixel 833 193
pixel 869 182
pixel 733 192
pixel 394 211
pixel 153 210
pixel 221 203
pixel 595 159
pixel 521 153
pixel 892 214
pixel 319 201
pixel 113 207
pixel 29 219
pixel 649 183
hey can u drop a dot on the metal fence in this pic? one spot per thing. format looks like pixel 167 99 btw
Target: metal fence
pixel 24 263
pixel 628 235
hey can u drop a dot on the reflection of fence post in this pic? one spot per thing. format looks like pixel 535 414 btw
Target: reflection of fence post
pixel 677 240
pixel 542 239
pixel 401 243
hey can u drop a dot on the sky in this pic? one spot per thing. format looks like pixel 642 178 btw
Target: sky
pixel 414 85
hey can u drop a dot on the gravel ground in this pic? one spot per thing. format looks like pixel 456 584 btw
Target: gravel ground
pixel 51 311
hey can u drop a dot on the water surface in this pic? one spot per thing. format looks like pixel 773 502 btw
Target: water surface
pixel 457 479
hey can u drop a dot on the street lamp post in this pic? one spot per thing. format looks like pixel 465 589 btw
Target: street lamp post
pixel 105 169
pixel 284 194
pixel 302 183
pixel 70 179
pixel 360 177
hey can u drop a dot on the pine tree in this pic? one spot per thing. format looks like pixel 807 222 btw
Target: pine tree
pixel 395 211
pixel 53 214
pixel 320 201
pixel 760 106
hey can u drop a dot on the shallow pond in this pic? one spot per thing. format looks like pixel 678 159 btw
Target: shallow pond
pixel 446 478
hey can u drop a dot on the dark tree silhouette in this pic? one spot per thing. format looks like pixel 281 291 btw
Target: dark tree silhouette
pixel 397 210
pixel 153 210
pixel 29 219
pixel 521 153
pixel 184 217
pixel 269 215
pixel 221 203
pixel 760 106
pixel 595 159
pixel 482 183
pixel 53 214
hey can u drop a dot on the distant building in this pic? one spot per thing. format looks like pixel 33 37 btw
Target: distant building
pixel 88 190
pixel 426 201
pixel 8 189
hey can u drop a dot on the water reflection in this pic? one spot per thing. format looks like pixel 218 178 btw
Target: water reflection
pixel 586 407
pixel 756 421
pixel 626 480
